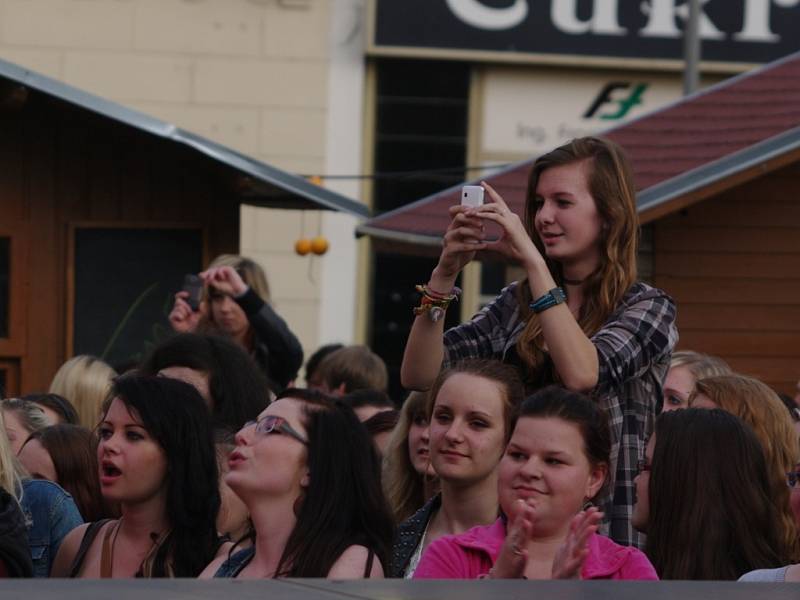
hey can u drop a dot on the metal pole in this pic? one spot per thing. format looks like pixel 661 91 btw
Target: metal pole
pixel 691 49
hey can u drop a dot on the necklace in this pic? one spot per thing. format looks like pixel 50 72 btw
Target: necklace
pixel 573 281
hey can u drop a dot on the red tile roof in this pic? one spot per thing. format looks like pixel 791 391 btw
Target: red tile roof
pixel 693 136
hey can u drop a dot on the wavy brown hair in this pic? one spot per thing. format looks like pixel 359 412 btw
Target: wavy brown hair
pixel 759 406
pixel 611 186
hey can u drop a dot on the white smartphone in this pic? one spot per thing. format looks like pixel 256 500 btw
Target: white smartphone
pixel 472 195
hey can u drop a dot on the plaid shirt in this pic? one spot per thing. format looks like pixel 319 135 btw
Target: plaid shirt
pixel 633 350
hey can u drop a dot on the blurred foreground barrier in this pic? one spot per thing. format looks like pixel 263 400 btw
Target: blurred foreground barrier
pixel 313 589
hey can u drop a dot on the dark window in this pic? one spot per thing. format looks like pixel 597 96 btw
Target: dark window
pixel 125 280
pixel 421 123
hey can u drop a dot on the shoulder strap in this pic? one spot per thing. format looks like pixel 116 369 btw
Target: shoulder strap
pixel 368 567
pixel 88 537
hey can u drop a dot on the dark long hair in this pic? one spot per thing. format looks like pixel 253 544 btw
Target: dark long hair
pixel 177 418
pixel 710 514
pixel 238 388
pixel 344 503
pixel 73 450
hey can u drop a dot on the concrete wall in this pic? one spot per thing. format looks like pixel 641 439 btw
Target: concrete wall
pixel 254 75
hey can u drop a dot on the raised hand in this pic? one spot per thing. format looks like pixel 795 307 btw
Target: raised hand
pixel 514 243
pixel 225 280
pixel 462 239
pixel 513 557
pixel 570 557
pixel 182 318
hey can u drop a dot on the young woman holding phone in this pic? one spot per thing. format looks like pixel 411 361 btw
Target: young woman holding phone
pixel 578 318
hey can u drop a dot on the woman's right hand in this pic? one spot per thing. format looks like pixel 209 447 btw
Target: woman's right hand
pixel 463 238
pixel 182 318
pixel 513 557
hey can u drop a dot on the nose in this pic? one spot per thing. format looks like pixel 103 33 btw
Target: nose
pixel 245 435
pixel 426 435
pixel 454 433
pixel 545 212
pixel 532 468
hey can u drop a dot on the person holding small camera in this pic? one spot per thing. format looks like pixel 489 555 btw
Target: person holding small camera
pixel 579 318
pixel 235 302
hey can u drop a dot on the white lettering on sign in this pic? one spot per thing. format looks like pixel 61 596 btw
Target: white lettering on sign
pixel 603 20
pixel 756 20
pixel 662 21
pixel 662 18
pixel 474 13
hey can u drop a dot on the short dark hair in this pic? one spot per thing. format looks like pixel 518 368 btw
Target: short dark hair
pixel 357 367
pixel 73 450
pixel 313 362
pixel 177 418
pixel 710 513
pixel 58 404
pixel 239 389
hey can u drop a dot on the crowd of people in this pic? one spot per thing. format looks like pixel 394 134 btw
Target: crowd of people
pixel 557 434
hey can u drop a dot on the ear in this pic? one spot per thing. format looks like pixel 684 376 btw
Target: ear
pixel 341 390
pixel 596 478
pixel 306 480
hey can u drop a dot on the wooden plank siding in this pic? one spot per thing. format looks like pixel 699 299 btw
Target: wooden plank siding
pixel 63 165
pixel 732 264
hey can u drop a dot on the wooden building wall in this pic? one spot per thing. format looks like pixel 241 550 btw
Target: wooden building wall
pixel 60 165
pixel 732 264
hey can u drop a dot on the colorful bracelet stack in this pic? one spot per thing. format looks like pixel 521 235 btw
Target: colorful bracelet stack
pixel 435 303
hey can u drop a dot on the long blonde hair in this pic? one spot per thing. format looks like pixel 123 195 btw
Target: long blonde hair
pixel 85 381
pixel 9 467
pixel 759 406
pixel 611 185
pixel 403 486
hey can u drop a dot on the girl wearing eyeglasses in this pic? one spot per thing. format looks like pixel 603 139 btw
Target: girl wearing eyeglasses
pixel 157 462
pixel 310 478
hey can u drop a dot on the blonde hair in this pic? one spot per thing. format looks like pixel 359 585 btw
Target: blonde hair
pixel 249 270
pixel 85 381
pixel 9 467
pixel 403 486
pixel 611 186
pixel 759 406
pixel 700 365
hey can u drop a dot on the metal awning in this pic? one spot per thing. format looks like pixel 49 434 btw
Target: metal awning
pixel 263 185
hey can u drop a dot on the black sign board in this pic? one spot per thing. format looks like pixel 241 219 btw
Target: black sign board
pixel 734 31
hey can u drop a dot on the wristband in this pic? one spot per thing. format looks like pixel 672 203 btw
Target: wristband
pixel 549 300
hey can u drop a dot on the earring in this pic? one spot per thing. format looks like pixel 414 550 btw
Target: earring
pixel 587 505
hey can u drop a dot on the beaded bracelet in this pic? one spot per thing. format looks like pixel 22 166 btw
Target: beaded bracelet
pixel 435 303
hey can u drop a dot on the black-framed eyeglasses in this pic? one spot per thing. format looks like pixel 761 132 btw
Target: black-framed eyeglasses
pixel 643 466
pixel 793 478
pixel 272 424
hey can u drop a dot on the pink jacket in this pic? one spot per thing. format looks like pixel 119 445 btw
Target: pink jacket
pixel 472 554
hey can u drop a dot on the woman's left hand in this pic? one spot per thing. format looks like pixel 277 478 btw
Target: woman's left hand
pixel 514 243
pixel 571 555
pixel 224 279
pixel 513 557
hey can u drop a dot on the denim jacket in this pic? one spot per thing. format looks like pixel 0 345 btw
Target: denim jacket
pixel 50 514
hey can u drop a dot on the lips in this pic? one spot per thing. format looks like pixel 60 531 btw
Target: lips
pixel 452 454
pixel 548 238
pixel 109 472
pixel 235 459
